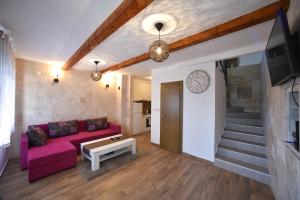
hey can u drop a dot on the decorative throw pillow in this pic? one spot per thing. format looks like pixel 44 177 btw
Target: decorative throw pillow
pixel 36 136
pixel 59 129
pixel 96 124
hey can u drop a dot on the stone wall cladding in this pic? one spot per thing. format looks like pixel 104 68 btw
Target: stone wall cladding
pixel 76 96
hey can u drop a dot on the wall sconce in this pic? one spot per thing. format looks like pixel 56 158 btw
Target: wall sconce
pixel 107 78
pixel 56 72
pixel 55 80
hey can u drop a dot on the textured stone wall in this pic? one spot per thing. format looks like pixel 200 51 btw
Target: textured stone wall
pixel 122 102
pixel 126 104
pixel 244 88
pixel 76 96
pixel 284 161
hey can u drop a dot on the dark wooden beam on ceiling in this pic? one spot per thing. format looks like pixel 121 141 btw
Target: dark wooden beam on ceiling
pixel 125 11
pixel 256 17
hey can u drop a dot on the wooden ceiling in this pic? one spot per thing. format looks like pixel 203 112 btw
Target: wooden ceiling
pixel 118 18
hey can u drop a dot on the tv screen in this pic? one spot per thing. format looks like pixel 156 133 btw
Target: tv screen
pixel 280 53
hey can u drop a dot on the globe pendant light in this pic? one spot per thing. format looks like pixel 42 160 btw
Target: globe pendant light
pixel 159 50
pixel 96 75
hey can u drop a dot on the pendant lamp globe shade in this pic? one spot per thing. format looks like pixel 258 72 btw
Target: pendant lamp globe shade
pixel 159 51
pixel 96 76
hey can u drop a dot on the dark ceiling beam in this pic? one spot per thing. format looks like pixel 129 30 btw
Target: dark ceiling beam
pixel 125 11
pixel 253 18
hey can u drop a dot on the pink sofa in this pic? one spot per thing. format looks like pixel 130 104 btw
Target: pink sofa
pixel 59 153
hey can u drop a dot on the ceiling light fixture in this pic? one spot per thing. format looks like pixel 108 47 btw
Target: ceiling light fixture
pixel 168 21
pixel 96 75
pixel 159 50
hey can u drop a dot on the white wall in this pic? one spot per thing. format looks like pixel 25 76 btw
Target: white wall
pixel 198 110
pixel 220 107
pixel 250 59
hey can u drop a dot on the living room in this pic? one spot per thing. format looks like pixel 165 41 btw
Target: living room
pixel 148 100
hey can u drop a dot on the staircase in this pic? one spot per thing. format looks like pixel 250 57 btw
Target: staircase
pixel 242 149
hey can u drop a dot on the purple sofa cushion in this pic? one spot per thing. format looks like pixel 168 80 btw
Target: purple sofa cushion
pixel 82 126
pixel 56 149
pixel 36 136
pixel 115 127
pixel 42 126
pixel 88 136
pixel 59 129
pixel 51 168
pixel 96 124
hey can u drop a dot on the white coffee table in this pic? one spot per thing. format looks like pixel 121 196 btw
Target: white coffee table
pixel 105 148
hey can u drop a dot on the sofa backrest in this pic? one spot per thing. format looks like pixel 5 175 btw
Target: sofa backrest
pixel 44 127
pixel 81 126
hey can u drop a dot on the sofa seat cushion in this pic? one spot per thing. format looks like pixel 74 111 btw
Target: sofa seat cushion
pixel 88 136
pixel 55 150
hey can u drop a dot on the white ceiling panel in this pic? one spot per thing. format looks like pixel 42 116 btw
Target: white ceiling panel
pixel 192 16
pixel 243 42
pixel 52 30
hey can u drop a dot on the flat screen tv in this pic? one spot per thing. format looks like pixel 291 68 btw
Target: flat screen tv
pixel 281 52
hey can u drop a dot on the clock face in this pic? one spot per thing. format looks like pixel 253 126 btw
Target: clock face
pixel 197 81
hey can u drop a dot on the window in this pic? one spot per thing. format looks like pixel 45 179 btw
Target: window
pixel 7 89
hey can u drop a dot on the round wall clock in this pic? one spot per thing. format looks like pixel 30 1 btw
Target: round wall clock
pixel 198 81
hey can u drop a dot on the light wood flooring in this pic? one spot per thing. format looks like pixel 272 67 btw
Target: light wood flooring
pixel 159 175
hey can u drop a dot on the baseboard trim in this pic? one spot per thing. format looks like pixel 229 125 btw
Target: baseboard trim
pixel 197 158
pixel 189 155
pixel 155 144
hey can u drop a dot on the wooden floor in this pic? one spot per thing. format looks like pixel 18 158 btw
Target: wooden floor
pixel 158 175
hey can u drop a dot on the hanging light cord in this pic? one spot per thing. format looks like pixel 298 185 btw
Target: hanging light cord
pixel 96 63
pixel 159 35
pixel 293 91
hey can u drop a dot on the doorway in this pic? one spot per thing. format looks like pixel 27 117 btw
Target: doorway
pixel 171 116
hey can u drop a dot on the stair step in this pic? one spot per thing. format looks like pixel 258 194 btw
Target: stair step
pixel 244 141
pixel 244 115
pixel 244 132
pixel 245 128
pixel 245 169
pixel 251 137
pixel 235 109
pixel 251 122
pixel 243 145
pixel 243 155
pixel 244 151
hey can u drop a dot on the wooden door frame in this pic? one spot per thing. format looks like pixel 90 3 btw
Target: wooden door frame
pixel 181 111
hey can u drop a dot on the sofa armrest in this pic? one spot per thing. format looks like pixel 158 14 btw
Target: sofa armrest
pixel 115 127
pixel 24 146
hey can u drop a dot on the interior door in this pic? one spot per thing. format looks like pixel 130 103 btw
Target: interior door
pixel 171 116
